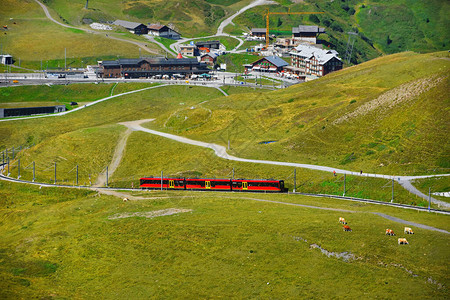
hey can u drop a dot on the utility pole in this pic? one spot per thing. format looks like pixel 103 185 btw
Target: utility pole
pixel 87 3
pixel 18 174
pixel 429 199
pixel 392 199
pixel 161 180
pixel 34 172
pixel 295 179
pixel 8 164
pixel 106 175
pixel 65 59
pixel 77 175
pixel 233 174
pixel 55 173
pixel 349 48
pixel 345 181
pixel 3 154
pixel 12 152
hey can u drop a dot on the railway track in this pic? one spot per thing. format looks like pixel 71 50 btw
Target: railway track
pixel 404 206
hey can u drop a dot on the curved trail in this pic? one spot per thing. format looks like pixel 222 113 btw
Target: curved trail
pixel 224 24
pixel 221 152
pixel 139 44
pixel 388 217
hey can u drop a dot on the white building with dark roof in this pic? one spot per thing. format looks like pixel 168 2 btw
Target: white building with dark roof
pixel 308 60
pixel 272 64
pixel 163 31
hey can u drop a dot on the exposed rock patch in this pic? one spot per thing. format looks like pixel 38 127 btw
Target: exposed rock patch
pixel 393 97
pixel 150 214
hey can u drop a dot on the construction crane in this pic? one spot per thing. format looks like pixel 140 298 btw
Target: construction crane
pixel 268 13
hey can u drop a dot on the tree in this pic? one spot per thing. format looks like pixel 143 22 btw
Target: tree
pixel 279 22
pixel 314 19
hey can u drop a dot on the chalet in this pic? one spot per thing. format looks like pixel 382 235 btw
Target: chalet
pixel 209 58
pixel 136 28
pixel 188 50
pixel 267 64
pixel 312 61
pixel 163 31
pixel 208 44
pixel 6 59
pixel 148 67
pixel 307 33
pixel 258 32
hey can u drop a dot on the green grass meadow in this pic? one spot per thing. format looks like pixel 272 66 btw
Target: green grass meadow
pixel 59 243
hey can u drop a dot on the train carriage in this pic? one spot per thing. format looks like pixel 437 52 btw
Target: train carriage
pixel 209 184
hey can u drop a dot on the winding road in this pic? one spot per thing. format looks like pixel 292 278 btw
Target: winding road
pixel 225 23
pixel 221 152
pixel 139 44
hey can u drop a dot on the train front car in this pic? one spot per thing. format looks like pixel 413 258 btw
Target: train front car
pixel 167 183
pixel 255 185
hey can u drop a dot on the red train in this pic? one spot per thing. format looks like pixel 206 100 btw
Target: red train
pixel 204 184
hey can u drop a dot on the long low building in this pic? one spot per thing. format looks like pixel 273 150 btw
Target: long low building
pixel 148 67
pixel 29 111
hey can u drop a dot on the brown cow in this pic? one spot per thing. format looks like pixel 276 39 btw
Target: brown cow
pixel 347 228
pixel 390 232
pixel 402 241
pixel 408 230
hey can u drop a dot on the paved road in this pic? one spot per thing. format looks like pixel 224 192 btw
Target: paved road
pixel 229 20
pixel 152 40
pixel 139 44
pixel 225 23
pixel 388 217
pixel 221 152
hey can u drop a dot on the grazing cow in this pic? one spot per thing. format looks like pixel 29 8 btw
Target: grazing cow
pixel 390 232
pixel 402 241
pixel 408 230
pixel 347 228
pixel 342 220
pixel 125 199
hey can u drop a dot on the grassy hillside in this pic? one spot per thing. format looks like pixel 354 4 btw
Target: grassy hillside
pixel 48 40
pixel 61 243
pixel 387 116
pixel 190 18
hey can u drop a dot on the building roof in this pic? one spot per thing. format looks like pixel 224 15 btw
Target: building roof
pixel 156 27
pixel 200 44
pixel 156 61
pixel 188 46
pixel 322 55
pixel 211 54
pixel 277 61
pixel 258 30
pixel 127 24
pixel 308 29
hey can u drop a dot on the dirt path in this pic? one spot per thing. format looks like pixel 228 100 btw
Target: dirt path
pixel 139 44
pixel 221 152
pixel 117 157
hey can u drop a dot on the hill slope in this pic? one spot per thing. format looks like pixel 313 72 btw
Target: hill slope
pixel 388 115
